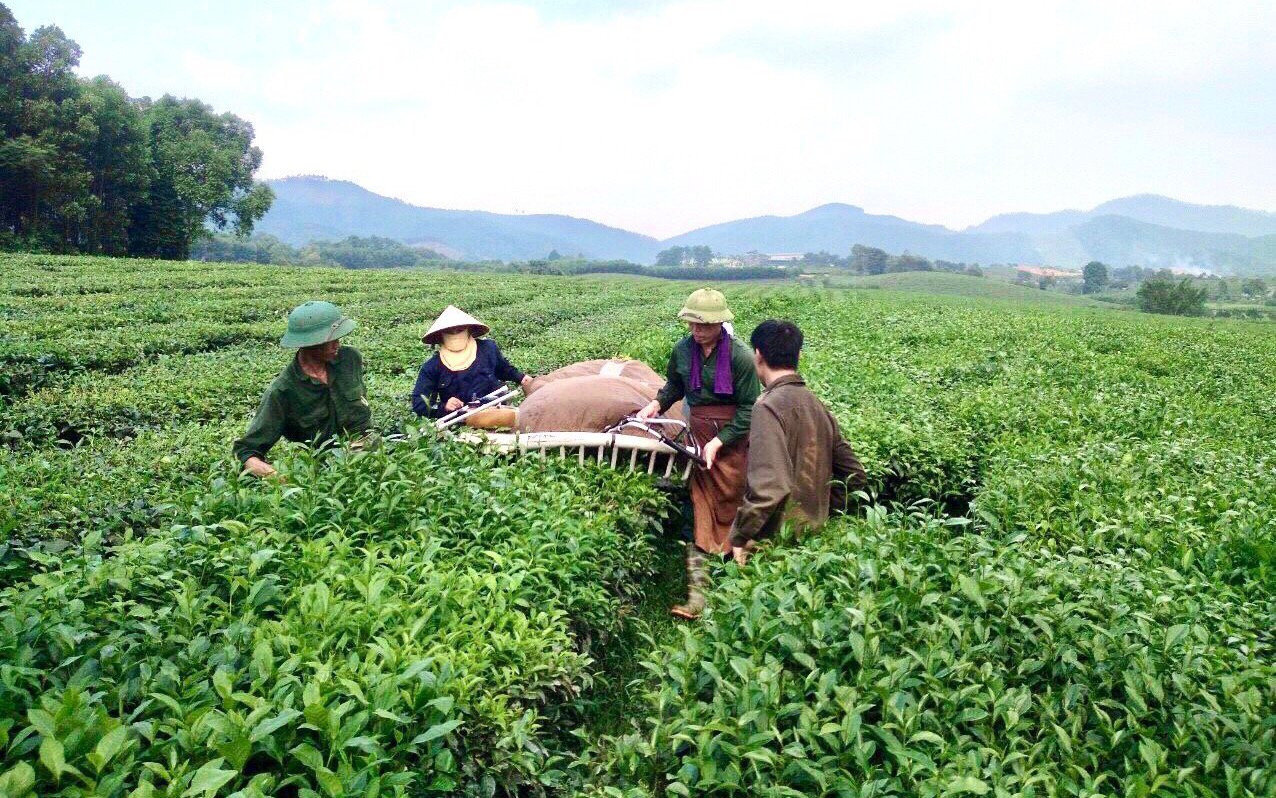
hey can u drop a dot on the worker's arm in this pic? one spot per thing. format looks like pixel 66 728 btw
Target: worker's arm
pixel 746 388
pixel 423 393
pixel 505 371
pixel 848 471
pixel 264 431
pixel 769 482
pixel 357 417
pixel 674 388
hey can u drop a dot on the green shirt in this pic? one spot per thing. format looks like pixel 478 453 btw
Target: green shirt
pixel 743 379
pixel 300 408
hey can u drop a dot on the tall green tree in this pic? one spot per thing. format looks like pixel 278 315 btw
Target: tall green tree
pixel 869 260
pixel 1159 295
pixel 203 175
pixel 908 262
pixel 118 158
pixel 1254 288
pixel 11 67
pixel 673 256
pixel 1094 277
pixel 44 182
pixel 85 168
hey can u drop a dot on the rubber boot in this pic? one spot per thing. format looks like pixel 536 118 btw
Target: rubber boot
pixel 697 578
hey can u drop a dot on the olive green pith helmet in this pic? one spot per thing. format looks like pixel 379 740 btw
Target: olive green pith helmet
pixel 706 306
pixel 315 323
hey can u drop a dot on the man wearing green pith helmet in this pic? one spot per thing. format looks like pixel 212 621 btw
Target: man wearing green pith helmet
pixel 713 373
pixel 318 395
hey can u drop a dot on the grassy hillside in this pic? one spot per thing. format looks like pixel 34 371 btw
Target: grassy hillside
pixel 1065 582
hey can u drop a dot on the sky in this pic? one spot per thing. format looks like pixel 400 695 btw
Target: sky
pixel 661 117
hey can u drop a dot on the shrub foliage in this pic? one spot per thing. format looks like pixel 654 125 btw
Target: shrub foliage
pixel 1063 581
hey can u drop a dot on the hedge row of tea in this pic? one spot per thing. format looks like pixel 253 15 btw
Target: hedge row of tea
pixel 1074 596
pixel 912 657
pixel 1100 619
pixel 122 382
pixel 417 618
pixel 397 617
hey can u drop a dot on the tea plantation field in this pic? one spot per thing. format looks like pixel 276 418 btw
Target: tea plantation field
pixel 1063 583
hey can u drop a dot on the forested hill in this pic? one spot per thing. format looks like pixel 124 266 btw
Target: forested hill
pixel 1130 231
pixel 314 208
pixel 1146 208
pixel 837 227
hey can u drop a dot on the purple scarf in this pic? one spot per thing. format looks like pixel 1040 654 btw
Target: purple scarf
pixel 722 369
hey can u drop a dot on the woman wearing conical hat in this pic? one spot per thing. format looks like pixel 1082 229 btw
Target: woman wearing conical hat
pixel 713 373
pixel 465 367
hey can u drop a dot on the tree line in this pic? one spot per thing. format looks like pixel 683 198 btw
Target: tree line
pixel 85 168
pixel 862 260
pixel 352 252
pixel 1166 292
pixel 356 252
pixel 871 260
pixel 694 272
pixel 579 266
pixel 676 257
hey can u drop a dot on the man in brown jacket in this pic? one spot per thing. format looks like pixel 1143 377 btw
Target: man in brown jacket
pixel 798 461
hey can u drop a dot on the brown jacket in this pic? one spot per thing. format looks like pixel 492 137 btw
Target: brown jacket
pixel 796 451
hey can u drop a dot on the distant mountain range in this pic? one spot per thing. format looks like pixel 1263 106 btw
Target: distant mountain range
pixel 314 208
pixel 1148 208
pixel 1145 230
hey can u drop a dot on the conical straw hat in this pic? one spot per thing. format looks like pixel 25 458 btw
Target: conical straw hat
pixel 451 318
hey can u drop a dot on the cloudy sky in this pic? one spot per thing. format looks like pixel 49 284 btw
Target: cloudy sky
pixel 665 116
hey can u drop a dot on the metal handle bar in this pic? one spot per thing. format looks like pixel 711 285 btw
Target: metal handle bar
pixel 482 403
pixel 652 427
pixel 649 424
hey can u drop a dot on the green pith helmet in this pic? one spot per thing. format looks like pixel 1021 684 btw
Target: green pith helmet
pixel 315 323
pixel 706 306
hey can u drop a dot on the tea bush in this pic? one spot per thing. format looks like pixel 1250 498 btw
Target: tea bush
pixel 1093 615
pixel 118 411
pixel 392 619
pixel 1063 584
pixel 906 656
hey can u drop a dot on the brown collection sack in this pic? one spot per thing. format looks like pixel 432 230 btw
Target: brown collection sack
pixel 589 396
pixel 589 403
pixel 629 369
pixel 583 397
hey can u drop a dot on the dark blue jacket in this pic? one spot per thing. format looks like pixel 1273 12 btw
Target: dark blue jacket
pixel 437 383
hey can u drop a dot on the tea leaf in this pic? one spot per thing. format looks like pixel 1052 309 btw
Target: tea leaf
pixel 436 731
pixel 967 784
pixel 209 779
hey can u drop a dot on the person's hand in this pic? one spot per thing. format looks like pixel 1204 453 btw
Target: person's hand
pixel 259 467
pixel 741 555
pixel 651 409
pixel 710 452
pixel 453 404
